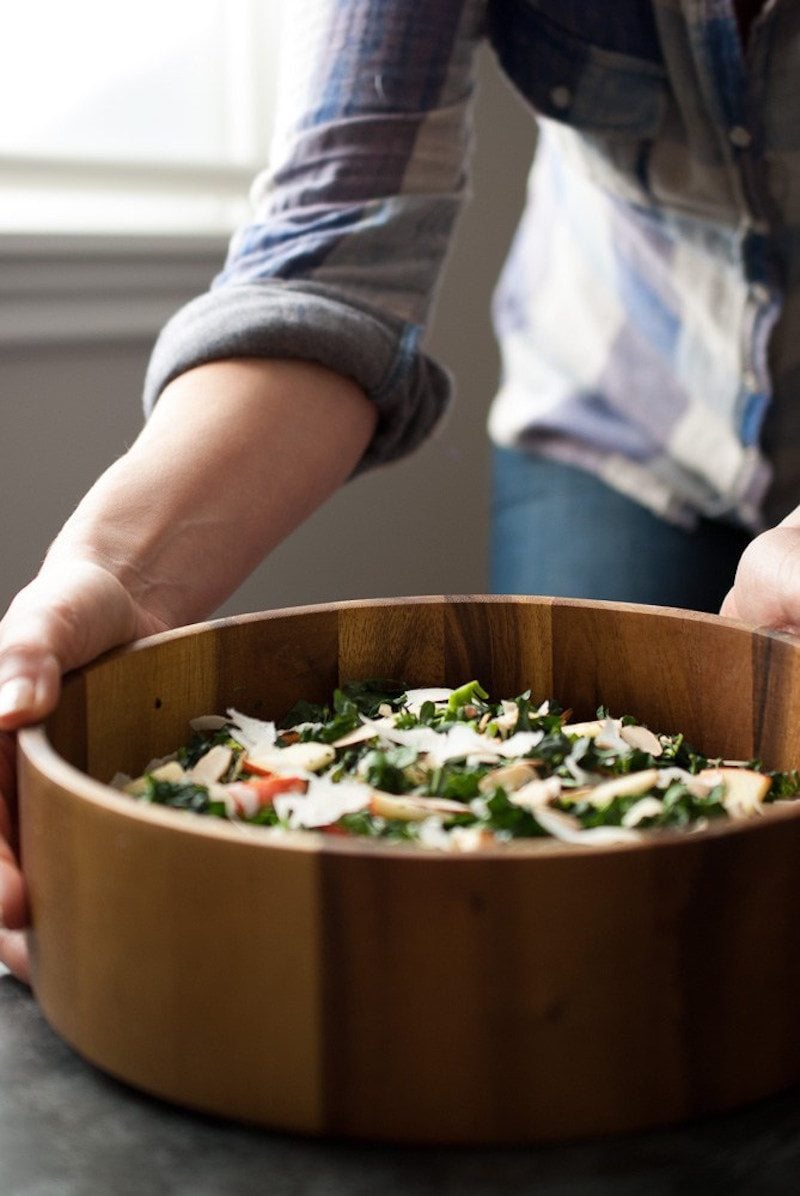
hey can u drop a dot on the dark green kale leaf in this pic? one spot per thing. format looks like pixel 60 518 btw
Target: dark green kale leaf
pixel 455 781
pixel 384 770
pixel 785 785
pixel 680 753
pixel 365 824
pixel 368 696
pixel 182 795
pixel 202 742
pixel 511 821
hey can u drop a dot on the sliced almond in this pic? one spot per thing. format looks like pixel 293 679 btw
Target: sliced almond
pixel 648 807
pixel 171 771
pixel 357 735
pixel 588 730
pixel 209 722
pixel 626 786
pixel 297 757
pixel 642 739
pixel 510 777
pixel 536 793
pixel 212 766
pixel 412 808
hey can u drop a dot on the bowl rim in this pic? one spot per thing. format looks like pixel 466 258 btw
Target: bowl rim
pixel 34 746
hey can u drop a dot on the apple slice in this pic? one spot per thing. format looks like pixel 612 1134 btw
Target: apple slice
pixel 745 790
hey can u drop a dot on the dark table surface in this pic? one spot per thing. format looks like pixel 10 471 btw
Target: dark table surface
pixel 68 1130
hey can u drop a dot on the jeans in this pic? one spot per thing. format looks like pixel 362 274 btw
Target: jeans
pixel 560 531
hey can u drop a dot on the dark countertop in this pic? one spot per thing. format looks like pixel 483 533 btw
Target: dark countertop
pixel 67 1130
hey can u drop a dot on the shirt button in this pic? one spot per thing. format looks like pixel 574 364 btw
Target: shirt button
pixel 561 97
pixel 760 293
pixel 750 381
pixel 739 136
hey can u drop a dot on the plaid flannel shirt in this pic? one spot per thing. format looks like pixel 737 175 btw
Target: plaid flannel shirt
pixel 645 314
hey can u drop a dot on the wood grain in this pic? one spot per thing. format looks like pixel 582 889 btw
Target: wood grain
pixel 349 988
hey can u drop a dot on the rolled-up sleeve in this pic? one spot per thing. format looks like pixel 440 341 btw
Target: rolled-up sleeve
pixel 352 220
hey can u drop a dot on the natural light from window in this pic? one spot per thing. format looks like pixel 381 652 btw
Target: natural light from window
pixel 152 117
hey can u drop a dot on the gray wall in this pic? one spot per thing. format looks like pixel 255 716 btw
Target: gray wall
pixel 413 528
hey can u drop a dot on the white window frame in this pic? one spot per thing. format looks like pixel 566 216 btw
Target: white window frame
pixel 83 289
pixel 81 286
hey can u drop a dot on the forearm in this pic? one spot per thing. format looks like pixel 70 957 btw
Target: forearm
pixel 235 456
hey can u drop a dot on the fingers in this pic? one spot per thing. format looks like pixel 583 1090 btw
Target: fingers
pixel 13 916
pixel 30 680
pixel 13 900
pixel 14 954
pixel 7 784
pixel 766 592
pixel 69 614
pixel 31 641
pixel 729 609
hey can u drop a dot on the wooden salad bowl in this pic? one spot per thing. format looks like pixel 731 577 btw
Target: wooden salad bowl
pixel 344 987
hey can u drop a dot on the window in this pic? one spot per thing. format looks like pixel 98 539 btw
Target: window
pixel 128 119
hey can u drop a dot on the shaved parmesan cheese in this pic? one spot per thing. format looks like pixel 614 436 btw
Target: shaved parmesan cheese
pixel 252 732
pixel 507 721
pixel 518 744
pixel 324 803
pixel 415 699
pixel 609 737
pixel 457 743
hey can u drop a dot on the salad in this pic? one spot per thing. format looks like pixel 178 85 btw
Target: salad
pixel 453 769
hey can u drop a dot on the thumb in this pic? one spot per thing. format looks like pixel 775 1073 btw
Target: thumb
pixel 766 591
pixel 729 609
pixel 68 615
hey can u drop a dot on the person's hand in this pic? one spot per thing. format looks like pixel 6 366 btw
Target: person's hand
pixel 234 457
pixel 766 592
pixel 13 906
pixel 72 612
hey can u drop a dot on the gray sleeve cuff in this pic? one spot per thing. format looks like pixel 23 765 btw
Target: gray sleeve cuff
pixel 305 321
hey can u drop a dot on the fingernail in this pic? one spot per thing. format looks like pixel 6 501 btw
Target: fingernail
pixel 16 696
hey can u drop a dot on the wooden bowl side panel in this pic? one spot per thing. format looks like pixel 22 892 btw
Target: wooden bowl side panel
pixel 394 995
pixel 266 665
pixel 674 671
pixel 508 1001
pixel 181 963
pixel 66 726
pixel 403 641
pixel 776 700
pixel 138 702
pixel 506 645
